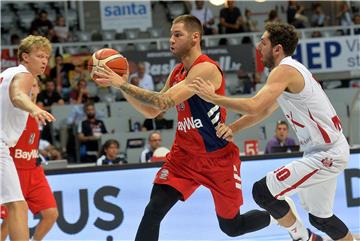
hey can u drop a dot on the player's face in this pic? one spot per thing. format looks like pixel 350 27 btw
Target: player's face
pixel 37 60
pixel 266 51
pixel 180 41
pixel 112 151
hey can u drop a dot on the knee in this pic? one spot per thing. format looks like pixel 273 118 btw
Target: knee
pixel 231 227
pixel 332 226
pixel 261 192
pixel 50 215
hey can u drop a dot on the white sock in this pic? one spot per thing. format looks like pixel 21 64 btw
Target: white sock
pixel 298 231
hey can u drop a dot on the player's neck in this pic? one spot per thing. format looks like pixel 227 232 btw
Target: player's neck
pixel 29 69
pixel 189 59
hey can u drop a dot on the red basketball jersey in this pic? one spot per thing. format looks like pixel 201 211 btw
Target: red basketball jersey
pixel 25 152
pixel 197 118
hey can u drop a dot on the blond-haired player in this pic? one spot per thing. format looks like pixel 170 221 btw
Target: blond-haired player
pixel 15 105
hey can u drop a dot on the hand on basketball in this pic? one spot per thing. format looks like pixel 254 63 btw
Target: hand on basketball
pixel 203 88
pixel 107 77
pixel 42 116
pixel 223 131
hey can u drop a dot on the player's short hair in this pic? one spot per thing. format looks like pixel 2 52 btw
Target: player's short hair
pixel 283 34
pixel 192 24
pixel 33 42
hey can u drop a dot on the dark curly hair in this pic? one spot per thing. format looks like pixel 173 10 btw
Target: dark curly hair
pixel 283 34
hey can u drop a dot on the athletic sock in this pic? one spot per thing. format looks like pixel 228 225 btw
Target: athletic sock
pixel 298 231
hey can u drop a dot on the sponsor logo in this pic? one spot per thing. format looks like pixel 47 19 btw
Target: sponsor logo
pixel 32 138
pixel 180 107
pixel 189 123
pixel 20 154
pixel 125 10
pixel 327 162
pixel 164 174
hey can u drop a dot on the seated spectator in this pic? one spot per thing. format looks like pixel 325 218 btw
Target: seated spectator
pixel 281 137
pixel 61 30
pixel 344 15
pixel 205 16
pixel 145 80
pixel 89 132
pixel 158 123
pixel 291 11
pixel 250 25
pixel 42 26
pixel 48 151
pixel 273 17
pixel 301 21
pixel 357 22
pixel 80 94
pixel 318 18
pixel 60 73
pixel 49 96
pixel 109 154
pixel 154 142
pixel 230 18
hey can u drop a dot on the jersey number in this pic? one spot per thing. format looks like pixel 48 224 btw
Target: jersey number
pixel 282 173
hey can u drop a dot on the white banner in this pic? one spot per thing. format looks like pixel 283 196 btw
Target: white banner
pixel 119 15
pixel 108 205
pixel 332 54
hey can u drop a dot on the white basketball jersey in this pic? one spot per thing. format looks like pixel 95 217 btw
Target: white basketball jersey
pixel 310 112
pixel 12 119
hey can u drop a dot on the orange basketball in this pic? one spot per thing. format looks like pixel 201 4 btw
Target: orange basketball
pixel 111 57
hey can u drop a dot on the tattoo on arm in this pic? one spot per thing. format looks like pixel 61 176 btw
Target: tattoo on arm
pixel 156 99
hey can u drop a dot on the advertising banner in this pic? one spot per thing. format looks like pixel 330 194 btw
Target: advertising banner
pixel 333 54
pixel 119 15
pixel 108 205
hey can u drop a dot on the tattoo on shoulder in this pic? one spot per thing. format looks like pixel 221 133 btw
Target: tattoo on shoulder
pixel 156 99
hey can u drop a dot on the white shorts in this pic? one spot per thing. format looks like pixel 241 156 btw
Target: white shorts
pixel 10 189
pixel 314 177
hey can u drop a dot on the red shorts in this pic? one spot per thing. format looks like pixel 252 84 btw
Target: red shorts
pixel 221 174
pixel 36 189
pixel 3 211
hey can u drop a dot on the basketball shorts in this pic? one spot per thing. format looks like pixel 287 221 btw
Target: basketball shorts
pixel 10 190
pixel 313 177
pixel 36 189
pixel 220 174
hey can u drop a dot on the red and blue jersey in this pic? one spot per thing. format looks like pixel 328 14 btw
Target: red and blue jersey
pixel 197 119
pixel 25 152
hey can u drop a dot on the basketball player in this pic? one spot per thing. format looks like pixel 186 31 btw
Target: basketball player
pixel 198 156
pixel 34 186
pixel 15 106
pixel 310 113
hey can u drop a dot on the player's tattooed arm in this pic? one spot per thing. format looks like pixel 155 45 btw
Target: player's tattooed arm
pixel 159 100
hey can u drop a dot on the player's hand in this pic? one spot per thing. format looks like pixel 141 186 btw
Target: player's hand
pixel 203 88
pixel 42 116
pixel 223 131
pixel 107 77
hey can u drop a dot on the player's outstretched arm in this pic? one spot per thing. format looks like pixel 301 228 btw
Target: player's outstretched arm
pixel 277 82
pixel 19 88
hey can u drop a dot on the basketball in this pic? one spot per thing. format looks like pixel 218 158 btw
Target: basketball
pixel 111 57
